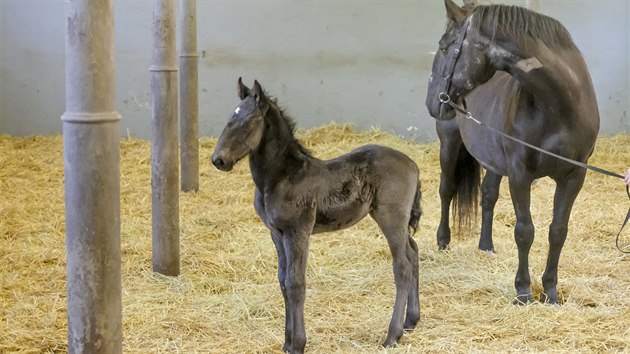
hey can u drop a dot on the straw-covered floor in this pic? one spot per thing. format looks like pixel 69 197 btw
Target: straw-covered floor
pixel 227 299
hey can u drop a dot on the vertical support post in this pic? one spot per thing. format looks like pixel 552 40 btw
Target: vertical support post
pixel 189 100
pixel 533 5
pixel 91 145
pixel 164 147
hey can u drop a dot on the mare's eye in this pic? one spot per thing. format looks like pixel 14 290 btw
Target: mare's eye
pixel 444 50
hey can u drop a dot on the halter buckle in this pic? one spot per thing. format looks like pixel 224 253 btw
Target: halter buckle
pixel 444 97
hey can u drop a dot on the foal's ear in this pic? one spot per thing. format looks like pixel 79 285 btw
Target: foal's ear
pixel 454 12
pixel 258 93
pixel 242 90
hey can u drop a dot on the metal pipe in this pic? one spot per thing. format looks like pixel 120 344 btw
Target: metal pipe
pixel 533 5
pixel 164 145
pixel 189 101
pixel 92 181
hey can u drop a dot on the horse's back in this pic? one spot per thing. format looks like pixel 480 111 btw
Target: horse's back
pixel 382 160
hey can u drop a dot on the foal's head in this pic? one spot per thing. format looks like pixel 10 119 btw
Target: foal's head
pixel 244 129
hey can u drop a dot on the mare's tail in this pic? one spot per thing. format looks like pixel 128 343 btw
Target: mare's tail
pixel 416 211
pixel 467 180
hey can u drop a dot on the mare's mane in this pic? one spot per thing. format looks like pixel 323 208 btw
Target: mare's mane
pixel 520 24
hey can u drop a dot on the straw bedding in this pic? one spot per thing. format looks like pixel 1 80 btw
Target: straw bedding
pixel 227 299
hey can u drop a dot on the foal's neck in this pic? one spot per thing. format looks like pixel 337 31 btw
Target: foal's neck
pixel 279 154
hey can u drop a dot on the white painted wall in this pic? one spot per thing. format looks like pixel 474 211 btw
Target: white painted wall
pixel 364 62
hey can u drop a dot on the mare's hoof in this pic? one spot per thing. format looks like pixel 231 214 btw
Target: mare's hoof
pixel 286 348
pixel 550 298
pixel 523 299
pixel 442 245
pixel 486 249
pixel 489 253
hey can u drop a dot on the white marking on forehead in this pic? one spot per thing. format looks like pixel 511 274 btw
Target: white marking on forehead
pixel 529 64
pixel 238 109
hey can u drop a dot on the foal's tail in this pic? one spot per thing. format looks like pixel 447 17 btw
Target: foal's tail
pixel 467 181
pixel 416 211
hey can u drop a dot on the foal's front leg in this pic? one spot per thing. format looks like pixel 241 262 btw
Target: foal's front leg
pixel 276 236
pixel 296 252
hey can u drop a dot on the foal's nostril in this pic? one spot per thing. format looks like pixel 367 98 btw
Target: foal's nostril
pixel 218 162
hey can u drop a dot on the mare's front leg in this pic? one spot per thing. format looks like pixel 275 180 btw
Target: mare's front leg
pixel 450 144
pixel 520 189
pixel 567 189
pixel 489 196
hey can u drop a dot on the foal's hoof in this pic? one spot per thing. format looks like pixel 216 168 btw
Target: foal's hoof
pixel 286 348
pixel 390 344
pixel 392 340
pixel 523 299
pixel 410 323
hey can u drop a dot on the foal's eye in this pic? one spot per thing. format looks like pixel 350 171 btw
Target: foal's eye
pixel 443 50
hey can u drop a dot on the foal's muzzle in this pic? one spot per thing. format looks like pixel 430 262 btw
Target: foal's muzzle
pixel 220 164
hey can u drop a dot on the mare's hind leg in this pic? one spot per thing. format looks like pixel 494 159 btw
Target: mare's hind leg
pixel 567 190
pixel 450 144
pixel 520 189
pixel 393 223
pixel 489 196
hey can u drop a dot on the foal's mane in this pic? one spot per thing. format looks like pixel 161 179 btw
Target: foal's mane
pixel 293 142
pixel 520 24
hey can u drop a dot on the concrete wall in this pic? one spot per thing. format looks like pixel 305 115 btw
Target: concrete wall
pixel 350 61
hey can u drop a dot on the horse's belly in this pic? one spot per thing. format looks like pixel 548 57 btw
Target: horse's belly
pixel 484 146
pixel 333 219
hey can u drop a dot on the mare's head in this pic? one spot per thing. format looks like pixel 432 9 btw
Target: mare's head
pixel 244 129
pixel 459 65
pixel 482 39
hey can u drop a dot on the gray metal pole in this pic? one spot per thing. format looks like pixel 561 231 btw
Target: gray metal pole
pixel 533 4
pixel 188 93
pixel 164 147
pixel 92 181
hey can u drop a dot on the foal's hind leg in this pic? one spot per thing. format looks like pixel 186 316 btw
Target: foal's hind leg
pixel 567 190
pixel 413 301
pixel 489 196
pixel 394 226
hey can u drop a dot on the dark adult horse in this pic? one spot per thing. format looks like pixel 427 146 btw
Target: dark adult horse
pixel 298 195
pixel 518 72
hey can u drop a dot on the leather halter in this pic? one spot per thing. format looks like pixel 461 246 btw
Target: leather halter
pixel 447 76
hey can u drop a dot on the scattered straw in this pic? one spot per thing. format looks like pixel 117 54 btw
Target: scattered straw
pixel 227 299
